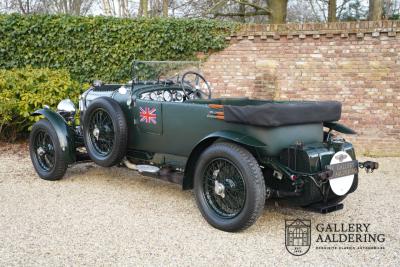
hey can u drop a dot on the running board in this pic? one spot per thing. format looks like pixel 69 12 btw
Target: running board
pixel 165 174
pixel 325 208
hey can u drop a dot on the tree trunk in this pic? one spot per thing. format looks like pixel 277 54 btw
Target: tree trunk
pixel 120 8
pixel 76 7
pixel 123 8
pixel 21 7
pixel 332 11
pixel 140 9
pixel 242 10
pixel 126 11
pixel 165 8
pixel 65 5
pixel 279 10
pixel 107 7
pixel 145 8
pixel 375 9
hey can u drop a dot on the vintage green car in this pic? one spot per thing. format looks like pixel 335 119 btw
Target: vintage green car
pixel 234 152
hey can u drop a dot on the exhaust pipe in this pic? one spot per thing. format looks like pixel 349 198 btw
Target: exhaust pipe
pixel 129 164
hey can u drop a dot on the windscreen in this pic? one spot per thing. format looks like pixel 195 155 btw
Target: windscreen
pixel 162 71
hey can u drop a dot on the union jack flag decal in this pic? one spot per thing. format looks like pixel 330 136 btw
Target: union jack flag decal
pixel 148 115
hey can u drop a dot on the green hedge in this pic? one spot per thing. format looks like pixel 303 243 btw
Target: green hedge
pixel 22 91
pixel 103 47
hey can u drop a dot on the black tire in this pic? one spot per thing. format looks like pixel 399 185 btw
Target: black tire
pixel 110 146
pixel 45 151
pixel 251 178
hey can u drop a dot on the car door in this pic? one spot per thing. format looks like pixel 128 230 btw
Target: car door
pixel 148 116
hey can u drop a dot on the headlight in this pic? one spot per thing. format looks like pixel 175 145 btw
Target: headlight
pixel 66 109
pixel 66 106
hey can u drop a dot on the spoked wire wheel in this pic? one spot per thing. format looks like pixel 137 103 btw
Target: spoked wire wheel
pixel 229 186
pixel 105 131
pixel 224 188
pixel 43 148
pixel 45 151
pixel 101 132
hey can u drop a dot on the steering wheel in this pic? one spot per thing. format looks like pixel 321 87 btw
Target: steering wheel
pixel 196 88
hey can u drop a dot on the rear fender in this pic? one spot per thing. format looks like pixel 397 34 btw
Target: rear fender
pixel 339 127
pixel 64 133
pixel 249 142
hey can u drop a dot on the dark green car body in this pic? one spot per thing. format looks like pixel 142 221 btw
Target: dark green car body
pixel 182 130
pixel 234 152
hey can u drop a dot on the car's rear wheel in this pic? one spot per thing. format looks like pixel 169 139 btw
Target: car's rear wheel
pixel 105 132
pixel 229 187
pixel 45 151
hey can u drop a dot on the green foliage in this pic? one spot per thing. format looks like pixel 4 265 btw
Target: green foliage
pixel 62 52
pixel 22 91
pixel 103 47
pixel 395 17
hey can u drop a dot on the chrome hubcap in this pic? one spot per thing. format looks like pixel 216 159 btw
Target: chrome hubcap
pixel 96 133
pixel 41 151
pixel 219 189
pixel 224 188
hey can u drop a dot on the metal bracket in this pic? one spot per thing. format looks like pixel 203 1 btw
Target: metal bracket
pixel 369 166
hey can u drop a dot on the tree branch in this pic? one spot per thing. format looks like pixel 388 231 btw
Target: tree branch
pixel 257 7
pixel 217 6
pixel 313 8
pixel 341 8
pixel 247 14
pixel 21 6
pixel 322 9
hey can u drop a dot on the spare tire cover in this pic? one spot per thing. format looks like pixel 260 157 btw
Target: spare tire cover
pixel 341 185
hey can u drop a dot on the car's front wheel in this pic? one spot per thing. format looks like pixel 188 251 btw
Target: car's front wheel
pixel 45 151
pixel 229 187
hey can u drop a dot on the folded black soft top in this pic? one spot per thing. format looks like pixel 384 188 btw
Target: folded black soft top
pixel 284 113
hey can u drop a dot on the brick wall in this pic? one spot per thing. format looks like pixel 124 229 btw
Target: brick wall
pixel 356 63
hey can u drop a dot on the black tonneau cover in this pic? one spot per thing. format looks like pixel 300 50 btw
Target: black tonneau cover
pixel 284 113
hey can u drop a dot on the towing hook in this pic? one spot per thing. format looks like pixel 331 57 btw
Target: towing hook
pixel 369 166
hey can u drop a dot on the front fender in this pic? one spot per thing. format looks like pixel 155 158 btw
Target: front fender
pixel 64 133
pixel 242 139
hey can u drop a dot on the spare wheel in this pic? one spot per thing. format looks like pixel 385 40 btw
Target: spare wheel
pixel 105 132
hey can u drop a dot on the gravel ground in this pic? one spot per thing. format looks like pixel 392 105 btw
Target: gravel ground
pixel 99 216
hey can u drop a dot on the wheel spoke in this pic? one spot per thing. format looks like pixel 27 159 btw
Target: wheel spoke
pixel 44 150
pixel 103 141
pixel 228 201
